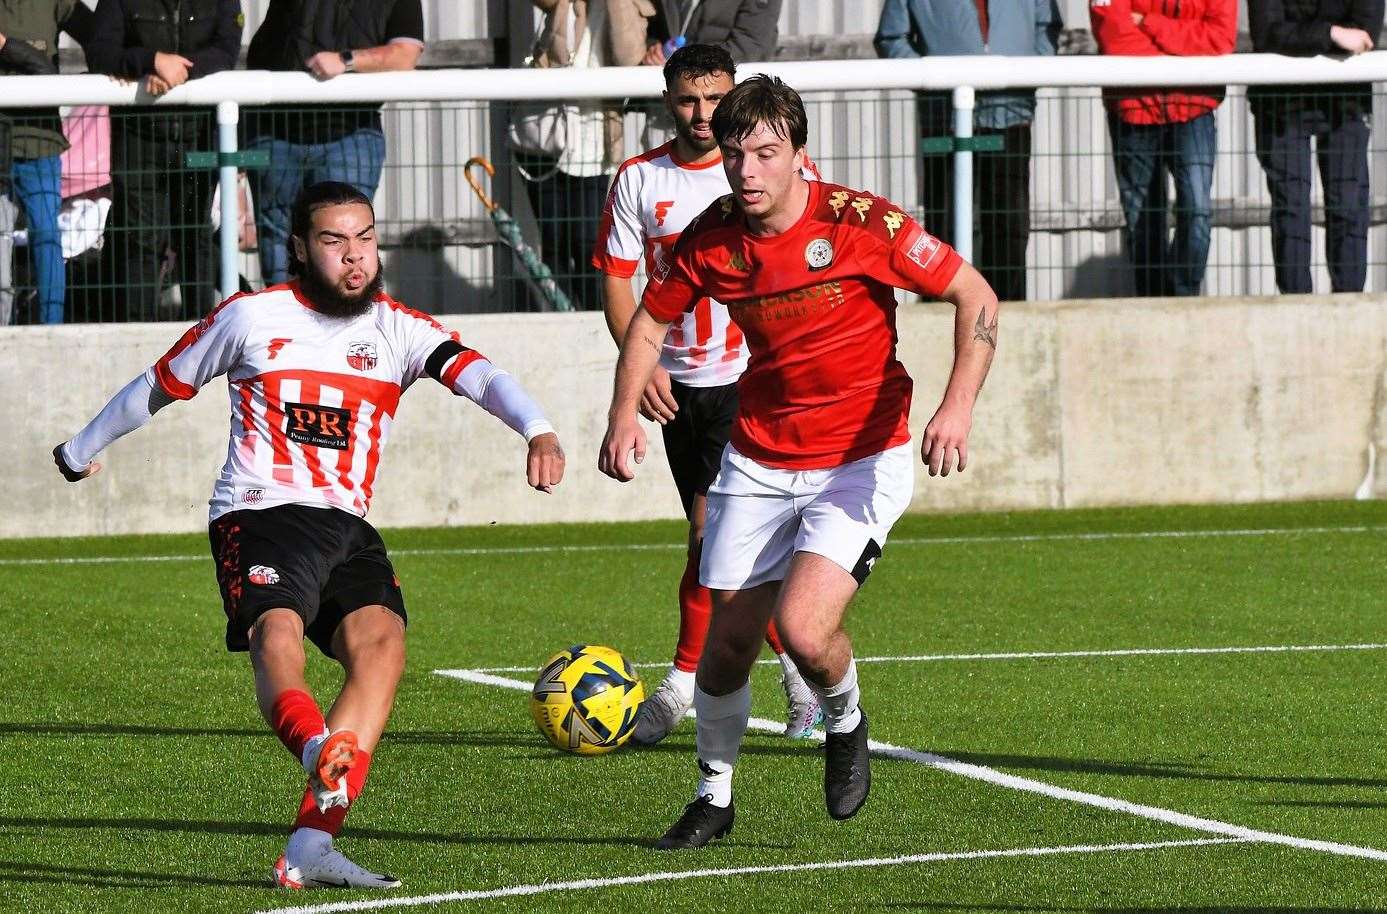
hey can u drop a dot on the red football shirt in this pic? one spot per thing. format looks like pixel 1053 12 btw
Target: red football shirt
pixel 817 305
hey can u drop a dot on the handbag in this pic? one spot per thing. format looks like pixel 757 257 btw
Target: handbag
pixel 540 129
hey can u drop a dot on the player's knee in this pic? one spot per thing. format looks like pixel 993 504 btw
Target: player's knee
pixel 806 647
pixel 276 633
pixel 372 637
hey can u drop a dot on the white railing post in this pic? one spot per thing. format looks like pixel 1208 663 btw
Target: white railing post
pixel 963 172
pixel 228 118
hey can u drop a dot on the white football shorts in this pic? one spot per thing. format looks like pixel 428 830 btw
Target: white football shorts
pixel 760 516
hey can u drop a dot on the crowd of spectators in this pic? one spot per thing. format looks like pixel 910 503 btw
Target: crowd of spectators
pixel 160 232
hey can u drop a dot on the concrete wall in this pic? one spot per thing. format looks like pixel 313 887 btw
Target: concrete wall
pixel 1089 403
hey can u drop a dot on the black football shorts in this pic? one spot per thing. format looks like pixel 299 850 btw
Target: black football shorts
pixel 695 439
pixel 322 563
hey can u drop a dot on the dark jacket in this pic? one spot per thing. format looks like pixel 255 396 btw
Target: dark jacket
pixel 295 30
pixel 36 132
pixel 127 33
pixel 1300 28
pixel 748 29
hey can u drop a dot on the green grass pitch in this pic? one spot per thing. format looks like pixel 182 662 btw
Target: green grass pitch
pixel 138 777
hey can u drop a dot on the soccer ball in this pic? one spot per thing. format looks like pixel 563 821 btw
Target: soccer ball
pixel 585 699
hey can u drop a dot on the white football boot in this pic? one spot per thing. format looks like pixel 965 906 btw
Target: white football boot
pixel 327 758
pixel 328 869
pixel 662 710
pixel 802 711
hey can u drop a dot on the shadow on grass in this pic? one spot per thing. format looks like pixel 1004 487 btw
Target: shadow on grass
pixel 1147 769
pixel 1163 909
pixel 1328 804
pixel 277 829
pixel 113 879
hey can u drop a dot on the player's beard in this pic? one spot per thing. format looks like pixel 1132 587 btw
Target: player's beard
pixel 692 140
pixel 332 301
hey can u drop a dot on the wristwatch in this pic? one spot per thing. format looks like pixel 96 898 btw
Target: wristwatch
pixel 349 61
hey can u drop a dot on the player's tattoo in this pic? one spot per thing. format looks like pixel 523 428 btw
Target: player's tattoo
pixel 657 345
pixel 984 331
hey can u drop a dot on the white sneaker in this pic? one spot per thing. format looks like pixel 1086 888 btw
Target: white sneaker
pixel 328 870
pixel 802 711
pixel 662 710
pixel 327 758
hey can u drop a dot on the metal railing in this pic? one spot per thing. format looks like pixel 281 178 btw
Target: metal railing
pixel 864 132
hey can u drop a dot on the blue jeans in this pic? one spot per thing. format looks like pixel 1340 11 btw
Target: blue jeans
pixel 1143 154
pixel 1341 146
pixel 38 187
pixel 355 159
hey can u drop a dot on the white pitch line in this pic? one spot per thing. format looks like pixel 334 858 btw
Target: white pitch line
pixel 1029 785
pixel 681 875
pixel 1027 655
pixel 663 547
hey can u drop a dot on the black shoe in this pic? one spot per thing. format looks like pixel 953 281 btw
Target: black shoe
pixel 847 771
pixel 701 822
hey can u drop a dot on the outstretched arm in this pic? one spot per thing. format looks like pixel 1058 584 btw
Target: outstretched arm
pixel 470 375
pixel 975 342
pixel 128 410
pixel 640 354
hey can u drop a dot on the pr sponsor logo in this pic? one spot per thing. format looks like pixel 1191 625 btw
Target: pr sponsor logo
pixel 320 426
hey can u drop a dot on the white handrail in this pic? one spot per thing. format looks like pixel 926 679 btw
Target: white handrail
pixel 256 87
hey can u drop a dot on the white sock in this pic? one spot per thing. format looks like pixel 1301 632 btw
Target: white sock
pixel 722 721
pixel 787 666
pixel 682 681
pixel 310 749
pixel 305 844
pixel 839 702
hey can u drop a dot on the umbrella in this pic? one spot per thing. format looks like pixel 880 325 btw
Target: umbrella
pixel 509 231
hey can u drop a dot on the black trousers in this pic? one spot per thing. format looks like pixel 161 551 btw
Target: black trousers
pixel 1341 146
pixel 159 205
pixel 569 212
pixel 1001 207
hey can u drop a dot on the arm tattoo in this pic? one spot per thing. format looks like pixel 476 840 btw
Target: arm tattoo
pixel 984 331
pixel 653 344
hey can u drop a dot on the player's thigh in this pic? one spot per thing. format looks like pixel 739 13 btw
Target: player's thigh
pixel 265 560
pixel 848 520
pixel 812 601
pixel 749 535
pixel 357 590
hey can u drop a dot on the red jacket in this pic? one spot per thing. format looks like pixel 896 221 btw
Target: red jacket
pixel 1184 28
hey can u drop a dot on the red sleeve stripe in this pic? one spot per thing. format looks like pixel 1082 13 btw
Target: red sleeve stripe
pixel 171 385
pixel 463 359
pixel 612 265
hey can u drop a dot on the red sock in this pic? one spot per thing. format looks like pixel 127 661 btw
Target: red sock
pixel 695 609
pixel 331 821
pixel 296 719
pixel 773 639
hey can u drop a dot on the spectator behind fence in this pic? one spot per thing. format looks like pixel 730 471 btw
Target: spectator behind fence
pixel 29 46
pixel 337 143
pixel 746 29
pixel 567 192
pixel 1002 179
pixel 157 204
pixel 1337 117
pixel 1154 132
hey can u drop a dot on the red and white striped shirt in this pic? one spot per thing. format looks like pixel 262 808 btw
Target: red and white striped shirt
pixel 653 198
pixel 313 397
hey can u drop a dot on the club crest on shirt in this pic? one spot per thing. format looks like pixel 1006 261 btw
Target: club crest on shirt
pixel 738 262
pixel 263 574
pixel 819 253
pixel 361 356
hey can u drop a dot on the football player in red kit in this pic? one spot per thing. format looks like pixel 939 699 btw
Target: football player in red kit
pixel 820 464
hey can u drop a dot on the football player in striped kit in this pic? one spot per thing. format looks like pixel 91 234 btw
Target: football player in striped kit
pixel 693 394
pixel 315 368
